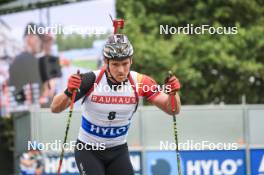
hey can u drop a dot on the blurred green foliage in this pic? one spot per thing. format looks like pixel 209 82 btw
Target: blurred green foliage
pixel 5 1
pixel 212 68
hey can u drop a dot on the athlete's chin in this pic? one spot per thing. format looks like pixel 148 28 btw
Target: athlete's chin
pixel 120 78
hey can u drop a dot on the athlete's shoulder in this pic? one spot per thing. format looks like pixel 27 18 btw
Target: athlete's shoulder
pixel 144 79
pixel 88 76
pixel 138 76
pixel 147 86
pixel 88 80
pixel 96 72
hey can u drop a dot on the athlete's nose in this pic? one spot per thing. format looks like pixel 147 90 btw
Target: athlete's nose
pixel 120 70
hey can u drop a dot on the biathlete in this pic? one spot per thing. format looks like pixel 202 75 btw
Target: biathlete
pixel 109 100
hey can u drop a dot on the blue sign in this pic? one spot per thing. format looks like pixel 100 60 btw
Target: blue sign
pixel 161 163
pixel 197 162
pixel 257 161
pixel 69 166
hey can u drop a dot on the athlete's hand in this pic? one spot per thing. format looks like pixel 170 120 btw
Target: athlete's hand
pixel 172 84
pixel 74 82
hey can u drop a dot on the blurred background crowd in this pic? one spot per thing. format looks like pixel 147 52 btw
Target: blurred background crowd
pixel 35 65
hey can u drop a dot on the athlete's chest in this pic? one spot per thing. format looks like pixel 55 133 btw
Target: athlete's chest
pixel 104 100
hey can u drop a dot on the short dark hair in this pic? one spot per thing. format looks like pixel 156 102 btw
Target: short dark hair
pixel 32 29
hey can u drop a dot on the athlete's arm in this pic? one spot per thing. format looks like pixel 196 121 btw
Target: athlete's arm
pixel 163 101
pixel 157 97
pixel 62 100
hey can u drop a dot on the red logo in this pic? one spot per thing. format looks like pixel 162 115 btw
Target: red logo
pixel 113 99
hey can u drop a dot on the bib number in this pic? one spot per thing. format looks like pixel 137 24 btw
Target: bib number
pixel 112 115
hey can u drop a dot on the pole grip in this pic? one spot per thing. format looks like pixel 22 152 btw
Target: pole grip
pixel 74 94
pixel 172 95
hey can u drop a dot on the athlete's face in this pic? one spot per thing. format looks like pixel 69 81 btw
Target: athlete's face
pixel 120 69
pixel 34 43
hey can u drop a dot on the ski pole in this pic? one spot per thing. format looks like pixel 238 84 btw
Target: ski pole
pixel 172 98
pixel 67 127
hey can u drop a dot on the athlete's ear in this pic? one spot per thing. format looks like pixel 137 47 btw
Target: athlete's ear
pixel 131 60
